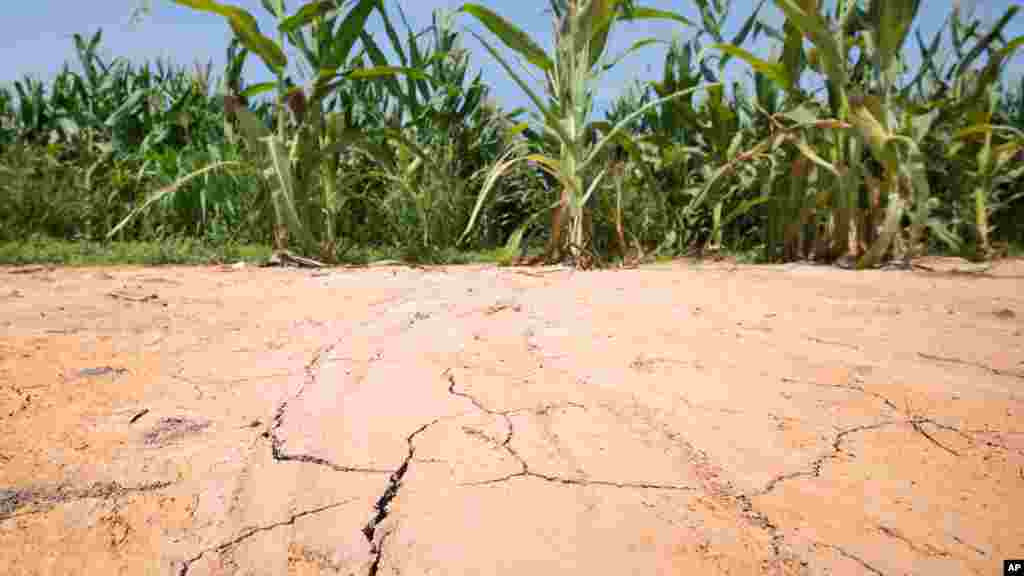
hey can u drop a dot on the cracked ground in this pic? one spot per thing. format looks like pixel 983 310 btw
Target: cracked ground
pixel 674 419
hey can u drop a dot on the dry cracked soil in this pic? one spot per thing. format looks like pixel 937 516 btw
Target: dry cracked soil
pixel 673 419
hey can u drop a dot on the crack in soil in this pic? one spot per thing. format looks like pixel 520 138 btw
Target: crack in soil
pixel 723 490
pixel 762 521
pixel 525 471
pixel 833 343
pixel 252 531
pixel 971 435
pixel 842 552
pixel 11 500
pixel 276 443
pixel 390 493
pixel 979 365
pixel 916 423
pixel 853 387
pixel 817 464
pixel 960 541
pixel 926 550
pixel 745 504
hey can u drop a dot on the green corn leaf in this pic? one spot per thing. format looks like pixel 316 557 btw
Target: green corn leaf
pixel 775 72
pixel 593 185
pixel 594 22
pixel 245 27
pixel 275 7
pixel 892 20
pixel 281 167
pixel 351 28
pixel 156 196
pixel 814 26
pixel 307 15
pixel 813 156
pixel 742 209
pixel 921 124
pixel 985 42
pixel 129 106
pixel 551 121
pixel 378 58
pixel 928 66
pixel 872 132
pixel 942 232
pixel 748 26
pixel 418 61
pixel 386 71
pixel 257 89
pixel 253 129
pixel 633 48
pixel 510 35
pixel 611 135
pixel 647 13
pixel 503 165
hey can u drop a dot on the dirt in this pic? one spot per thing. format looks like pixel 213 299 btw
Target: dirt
pixel 675 419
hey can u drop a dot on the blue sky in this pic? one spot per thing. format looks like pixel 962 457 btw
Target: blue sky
pixel 35 37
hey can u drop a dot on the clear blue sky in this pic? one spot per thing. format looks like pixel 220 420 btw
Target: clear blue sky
pixel 35 36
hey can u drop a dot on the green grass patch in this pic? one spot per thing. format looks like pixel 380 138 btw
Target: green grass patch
pixel 42 250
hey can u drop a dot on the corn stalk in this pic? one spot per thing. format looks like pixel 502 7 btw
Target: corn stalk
pixel 582 29
pixel 892 135
pixel 300 157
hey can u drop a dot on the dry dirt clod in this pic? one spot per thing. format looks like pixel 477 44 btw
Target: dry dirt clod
pixel 100 371
pixel 169 430
pixel 1005 314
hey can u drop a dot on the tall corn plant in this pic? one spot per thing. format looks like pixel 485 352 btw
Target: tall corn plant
pixel 862 96
pixel 300 158
pixel 982 150
pixel 581 33
pixel 442 134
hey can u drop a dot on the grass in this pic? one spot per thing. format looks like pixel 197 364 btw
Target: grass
pixel 41 250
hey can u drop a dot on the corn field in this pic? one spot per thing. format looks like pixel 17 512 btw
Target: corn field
pixel 833 144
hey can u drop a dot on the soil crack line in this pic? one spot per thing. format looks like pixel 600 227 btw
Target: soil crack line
pixel 915 423
pixel 925 550
pixel 833 343
pixel 524 467
pixel 252 531
pixel 853 387
pixel 390 493
pixel 816 465
pixel 985 367
pixel 277 444
pixel 971 435
pixel 842 552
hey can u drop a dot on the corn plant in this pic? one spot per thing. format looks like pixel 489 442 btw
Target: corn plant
pixel 892 134
pixel 446 132
pixel 982 150
pixel 683 140
pixel 300 160
pixel 7 118
pixel 581 32
pixel 995 162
